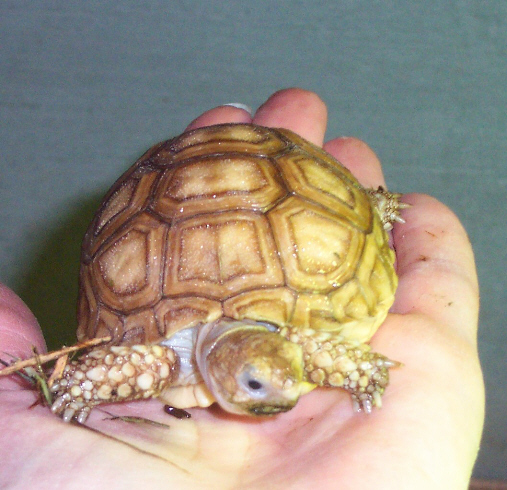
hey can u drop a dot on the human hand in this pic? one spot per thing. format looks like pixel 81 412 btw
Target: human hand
pixel 425 436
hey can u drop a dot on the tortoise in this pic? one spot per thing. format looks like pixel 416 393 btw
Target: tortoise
pixel 235 264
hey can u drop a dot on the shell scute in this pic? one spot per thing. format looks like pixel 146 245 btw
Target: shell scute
pixel 141 327
pixel 202 261
pixel 314 311
pixel 126 271
pixel 220 139
pixel 174 314
pixel 216 184
pixel 274 305
pixel 328 186
pixel 319 251
pixel 128 198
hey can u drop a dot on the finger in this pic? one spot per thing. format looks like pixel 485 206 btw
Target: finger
pixel 296 109
pixel 220 115
pixel 436 266
pixel 359 158
pixel 19 330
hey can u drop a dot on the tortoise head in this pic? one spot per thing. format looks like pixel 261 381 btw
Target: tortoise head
pixel 250 368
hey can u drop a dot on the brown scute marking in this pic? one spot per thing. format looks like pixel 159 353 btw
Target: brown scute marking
pixel 133 336
pixel 220 255
pixel 213 177
pixel 178 313
pixel 314 153
pixel 108 323
pixel 321 245
pixel 270 305
pixel 306 306
pixel 245 257
pixel 224 138
pixel 129 199
pixel 312 178
pixel 319 251
pixel 199 255
pixel 87 308
pixel 116 204
pixel 182 317
pixel 315 175
pixel 217 183
pixel 324 320
pixel 123 264
pixel 127 271
pixel 140 327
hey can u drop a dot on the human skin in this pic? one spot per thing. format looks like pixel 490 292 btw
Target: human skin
pixel 426 435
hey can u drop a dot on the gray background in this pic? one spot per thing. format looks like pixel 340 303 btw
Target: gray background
pixel 88 86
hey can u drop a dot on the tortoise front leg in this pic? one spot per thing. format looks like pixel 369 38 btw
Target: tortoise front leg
pixel 113 374
pixel 331 362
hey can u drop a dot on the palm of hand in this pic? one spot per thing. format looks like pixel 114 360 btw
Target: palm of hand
pixel 422 438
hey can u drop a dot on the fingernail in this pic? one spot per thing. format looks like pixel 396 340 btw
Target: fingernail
pixel 239 105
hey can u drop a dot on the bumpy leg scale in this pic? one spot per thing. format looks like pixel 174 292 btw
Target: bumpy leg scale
pixel 113 374
pixel 330 361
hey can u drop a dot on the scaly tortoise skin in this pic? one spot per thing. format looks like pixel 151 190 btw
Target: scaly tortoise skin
pixel 237 264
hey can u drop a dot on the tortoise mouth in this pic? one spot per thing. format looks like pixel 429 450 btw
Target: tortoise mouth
pixel 269 409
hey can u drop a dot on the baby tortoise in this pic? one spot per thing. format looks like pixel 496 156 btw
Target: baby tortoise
pixel 235 264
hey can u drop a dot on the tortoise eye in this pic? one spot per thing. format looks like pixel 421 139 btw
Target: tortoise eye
pixel 251 384
pixel 254 384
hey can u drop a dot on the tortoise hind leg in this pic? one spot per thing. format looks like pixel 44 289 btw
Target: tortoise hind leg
pixel 388 205
pixel 112 374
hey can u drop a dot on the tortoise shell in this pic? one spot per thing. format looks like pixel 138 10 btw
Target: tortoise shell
pixel 238 221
